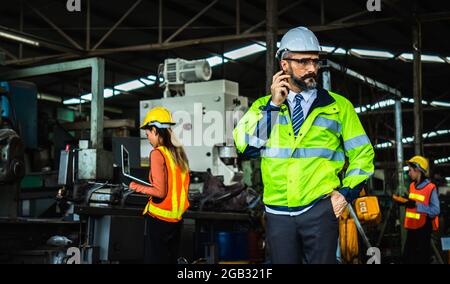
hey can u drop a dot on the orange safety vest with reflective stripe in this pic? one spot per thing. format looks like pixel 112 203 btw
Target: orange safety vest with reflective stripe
pixel 176 202
pixel 414 219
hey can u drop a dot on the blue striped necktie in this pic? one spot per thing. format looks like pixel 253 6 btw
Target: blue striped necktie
pixel 297 117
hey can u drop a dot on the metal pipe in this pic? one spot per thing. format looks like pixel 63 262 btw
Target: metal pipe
pixel 400 159
pixel 238 17
pixel 358 226
pixel 131 9
pixel 7 53
pixel 271 40
pixel 417 88
pixel 399 146
pixel 349 17
pixel 425 145
pixel 50 98
pixel 35 41
pixel 88 25
pixel 49 69
pixel 21 28
pixel 160 21
pixel 282 11
pixel 363 78
pixel 404 110
pixel 242 36
pixel 322 12
pixel 97 109
pixel 190 21
pixel 55 27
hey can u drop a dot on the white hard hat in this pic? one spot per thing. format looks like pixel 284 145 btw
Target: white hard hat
pixel 299 39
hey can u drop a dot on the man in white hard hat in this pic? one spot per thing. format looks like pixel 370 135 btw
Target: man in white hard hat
pixel 304 134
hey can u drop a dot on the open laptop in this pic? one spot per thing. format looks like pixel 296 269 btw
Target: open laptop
pixel 126 166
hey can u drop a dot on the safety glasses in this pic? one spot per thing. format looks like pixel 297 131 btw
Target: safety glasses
pixel 306 61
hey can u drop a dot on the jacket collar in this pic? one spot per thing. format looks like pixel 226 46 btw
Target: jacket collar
pixel 323 99
pixel 307 95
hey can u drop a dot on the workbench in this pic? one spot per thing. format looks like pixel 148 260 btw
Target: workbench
pixel 207 221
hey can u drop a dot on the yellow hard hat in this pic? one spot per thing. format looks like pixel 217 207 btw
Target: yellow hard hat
pixel 159 117
pixel 421 163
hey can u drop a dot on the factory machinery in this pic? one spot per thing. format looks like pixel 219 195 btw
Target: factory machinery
pixel 12 164
pixel 205 112
pixel 88 205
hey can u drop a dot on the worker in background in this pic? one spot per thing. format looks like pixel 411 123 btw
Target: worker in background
pixel 169 176
pixel 422 212
pixel 304 134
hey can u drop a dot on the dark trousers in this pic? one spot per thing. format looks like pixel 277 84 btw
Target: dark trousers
pixel 418 245
pixel 162 241
pixel 307 238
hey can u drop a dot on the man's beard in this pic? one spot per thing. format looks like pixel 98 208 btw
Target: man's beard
pixel 306 83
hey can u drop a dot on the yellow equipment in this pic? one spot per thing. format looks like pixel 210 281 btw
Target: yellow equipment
pixel 367 209
pixel 348 238
pixel 399 199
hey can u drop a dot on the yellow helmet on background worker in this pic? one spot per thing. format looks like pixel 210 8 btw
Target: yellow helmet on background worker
pixel 159 117
pixel 421 163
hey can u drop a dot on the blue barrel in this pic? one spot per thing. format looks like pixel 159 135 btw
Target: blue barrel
pixel 232 246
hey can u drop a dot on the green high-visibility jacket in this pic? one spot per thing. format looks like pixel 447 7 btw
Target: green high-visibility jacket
pixel 297 171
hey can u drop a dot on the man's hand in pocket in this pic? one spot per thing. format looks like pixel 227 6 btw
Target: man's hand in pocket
pixel 339 203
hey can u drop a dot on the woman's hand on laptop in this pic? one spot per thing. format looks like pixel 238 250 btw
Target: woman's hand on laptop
pixel 133 186
pixel 140 188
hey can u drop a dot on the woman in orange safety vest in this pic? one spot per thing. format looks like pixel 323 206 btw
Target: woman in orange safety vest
pixel 169 176
pixel 422 212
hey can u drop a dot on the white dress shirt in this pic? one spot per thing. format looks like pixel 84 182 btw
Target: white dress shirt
pixel 308 98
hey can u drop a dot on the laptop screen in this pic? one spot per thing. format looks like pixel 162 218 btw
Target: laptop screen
pixel 125 161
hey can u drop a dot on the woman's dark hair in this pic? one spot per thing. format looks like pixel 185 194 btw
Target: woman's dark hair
pixel 422 174
pixel 166 139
